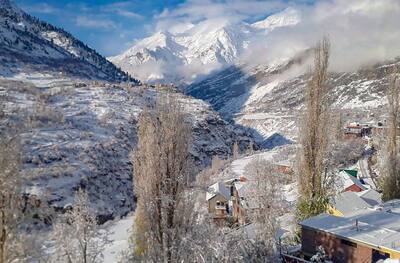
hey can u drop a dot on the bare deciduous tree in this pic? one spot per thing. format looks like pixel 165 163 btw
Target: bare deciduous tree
pixel 161 172
pixel 18 211
pixel 11 202
pixel 390 158
pixel 266 196
pixel 235 151
pixel 78 238
pixel 313 137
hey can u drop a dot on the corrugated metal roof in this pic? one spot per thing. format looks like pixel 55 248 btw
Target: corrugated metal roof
pixel 375 228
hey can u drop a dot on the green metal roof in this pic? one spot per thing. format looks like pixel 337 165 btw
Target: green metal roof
pixel 350 172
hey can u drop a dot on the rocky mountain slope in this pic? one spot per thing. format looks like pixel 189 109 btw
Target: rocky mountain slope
pixel 82 134
pixel 181 55
pixel 268 98
pixel 30 45
pixel 78 125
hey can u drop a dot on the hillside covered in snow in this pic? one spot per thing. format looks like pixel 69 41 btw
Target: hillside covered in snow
pixel 78 134
pixel 268 99
pixel 28 45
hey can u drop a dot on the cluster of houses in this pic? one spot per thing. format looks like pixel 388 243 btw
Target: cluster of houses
pixel 233 200
pixel 357 226
pixel 229 201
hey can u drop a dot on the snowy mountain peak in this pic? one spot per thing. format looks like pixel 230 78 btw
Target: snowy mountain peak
pixel 184 52
pixel 287 17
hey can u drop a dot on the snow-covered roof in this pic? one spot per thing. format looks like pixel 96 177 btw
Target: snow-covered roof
pixel 375 228
pixel 349 202
pixel 371 196
pixel 284 163
pixel 345 180
pixel 218 188
pixel 247 194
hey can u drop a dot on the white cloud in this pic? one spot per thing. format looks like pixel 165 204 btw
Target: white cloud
pixel 41 8
pixel 90 22
pixel 193 11
pixel 361 32
pixel 128 14
pixel 121 9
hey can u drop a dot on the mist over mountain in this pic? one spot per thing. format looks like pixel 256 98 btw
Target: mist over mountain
pixel 186 52
pixel 195 46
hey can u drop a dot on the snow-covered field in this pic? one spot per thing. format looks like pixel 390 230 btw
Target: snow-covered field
pixel 120 232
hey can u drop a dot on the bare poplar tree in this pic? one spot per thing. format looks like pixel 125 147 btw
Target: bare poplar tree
pixel 266 197
pixel 161 170
pixel 391 164
pixel 235 151
pixel 78 238
pixel 18 211
pixel 11 202
pixel 313 137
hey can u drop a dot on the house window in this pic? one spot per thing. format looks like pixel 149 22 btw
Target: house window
pixel 379 255
pixel 348 243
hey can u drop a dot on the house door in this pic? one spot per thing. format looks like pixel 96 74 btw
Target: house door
pixel 378 255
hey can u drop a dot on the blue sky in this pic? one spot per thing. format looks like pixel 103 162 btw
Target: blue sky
pixel 112 26
pixel 108 26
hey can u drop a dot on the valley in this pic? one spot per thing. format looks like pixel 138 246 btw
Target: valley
pixel 216 137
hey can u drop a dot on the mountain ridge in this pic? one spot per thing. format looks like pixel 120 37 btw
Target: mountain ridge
pixel 30 44
pixel 198 49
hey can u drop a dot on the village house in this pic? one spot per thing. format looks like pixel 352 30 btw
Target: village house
pixel 367 235
pixel 243 200
pixel 347 203
pixel 356 130
pixel 347 180
pixel 284 167
pixel 363 234
pixel 234 198
pixel 218 197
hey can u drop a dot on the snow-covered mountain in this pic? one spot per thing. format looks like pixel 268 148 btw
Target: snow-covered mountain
pixel 269 98
pixel 82 134
pixel 30 45
pixel 78 125
pixel 181 56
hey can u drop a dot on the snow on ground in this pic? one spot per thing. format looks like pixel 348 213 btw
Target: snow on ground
pixel 121 230
pixel 82 133
pixel 238 166
pixel 290 192
pixel 38 79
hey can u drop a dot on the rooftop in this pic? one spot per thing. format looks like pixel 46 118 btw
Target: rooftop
pixel 349 202
pixel 377 228
pixel 345 179
pixel 218 188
